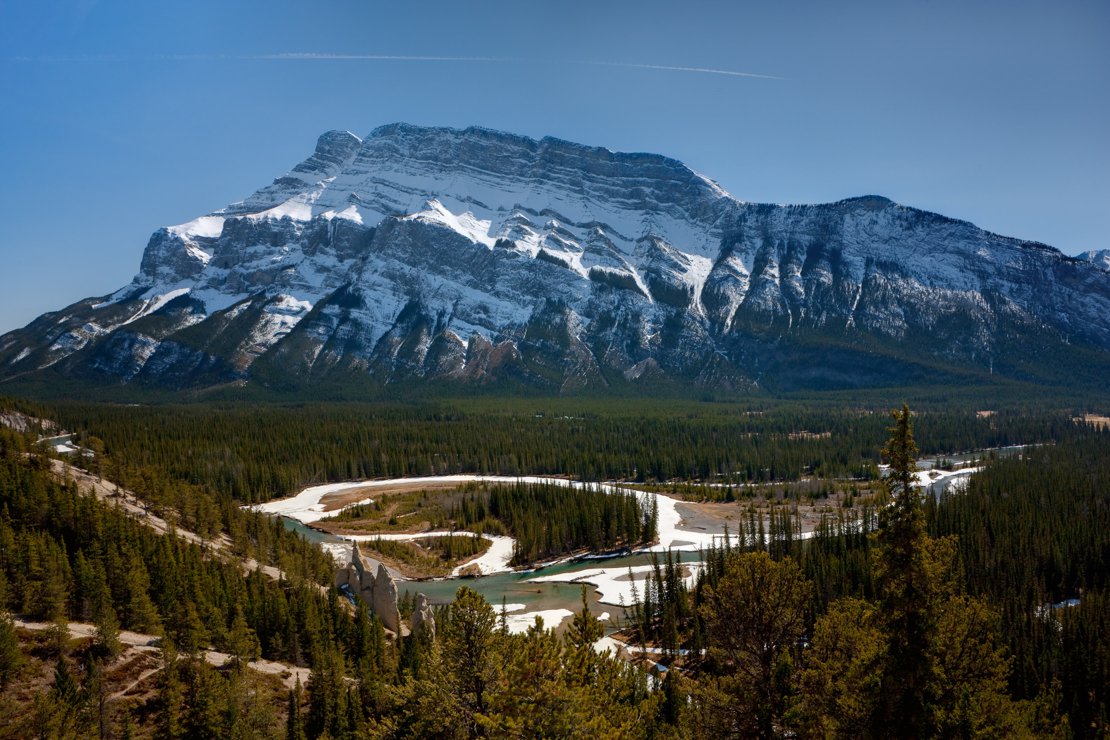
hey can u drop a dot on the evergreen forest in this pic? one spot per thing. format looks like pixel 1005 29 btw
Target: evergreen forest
pixel 179 613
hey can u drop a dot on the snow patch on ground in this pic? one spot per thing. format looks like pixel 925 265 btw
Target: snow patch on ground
pixel 552 618
pixel 934 476
pixel 610 645
pixel 305 507
pixel 613 585
pixel 494 560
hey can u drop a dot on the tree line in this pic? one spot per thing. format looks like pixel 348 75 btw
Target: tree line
pixel 548 520
pixel 252 454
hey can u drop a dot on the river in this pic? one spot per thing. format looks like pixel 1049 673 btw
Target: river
pixel 554 596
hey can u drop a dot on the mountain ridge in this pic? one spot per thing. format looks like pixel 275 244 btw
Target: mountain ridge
pixel 471 255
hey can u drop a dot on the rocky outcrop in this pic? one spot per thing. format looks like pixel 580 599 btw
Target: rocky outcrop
pixel 377 591
pixel 423 619
pixel 383 600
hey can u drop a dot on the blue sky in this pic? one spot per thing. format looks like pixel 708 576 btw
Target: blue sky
pixel 120 117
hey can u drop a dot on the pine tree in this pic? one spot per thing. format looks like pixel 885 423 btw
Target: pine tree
pixel 95 695
pixel 141 613
pixel 294 722
pixel 326 694
pixel 188 629
pixel 754 617
pixel 58 636
pixel 904 585
pixel 11 657
pixel 242 643
pixel 65 686
pixel 673 699
pixel 107 629
pixel 843 671
pixel 170 695
pixel 66 699
pixel 204 710
pixel 469 650
pixel 126 725
pixel 585 629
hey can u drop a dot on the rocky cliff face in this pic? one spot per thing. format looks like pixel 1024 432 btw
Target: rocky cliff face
pixel 475 256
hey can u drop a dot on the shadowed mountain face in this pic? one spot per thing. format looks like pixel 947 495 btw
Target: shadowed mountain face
pixel 475 256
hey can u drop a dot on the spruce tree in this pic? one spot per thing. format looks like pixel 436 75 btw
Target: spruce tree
pixel 904 585
pixel 294 722
pixel 107 629
pixel 469 650
pixel 242 643
pixel 170 695
pixel 585 629
pixel 754 617
pixel 11 657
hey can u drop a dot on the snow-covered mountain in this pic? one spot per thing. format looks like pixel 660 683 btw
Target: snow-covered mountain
pixel 477 256
pixel 1100 257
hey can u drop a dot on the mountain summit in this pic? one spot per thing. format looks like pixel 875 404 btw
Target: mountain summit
pixel 475 256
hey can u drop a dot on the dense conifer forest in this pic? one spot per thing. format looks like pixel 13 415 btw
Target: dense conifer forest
pixel 548 520
pixel 980 613
pixel 254 453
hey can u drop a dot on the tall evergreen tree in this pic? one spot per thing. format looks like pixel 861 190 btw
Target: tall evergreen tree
pixel 585 629
pixel 11 658
pixel 903 579
pixel 107 629
pixel 294 722
pixel 242 643
pixel 754 616
pixel 469 652
pixel 171 695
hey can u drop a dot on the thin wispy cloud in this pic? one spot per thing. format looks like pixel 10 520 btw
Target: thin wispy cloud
pixel 310 56
pixel 331 57
pixel 699 70
pixel 324 57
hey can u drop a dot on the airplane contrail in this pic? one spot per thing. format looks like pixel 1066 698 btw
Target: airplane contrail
pixel 701 70
pixel 326 56
pixel 407 58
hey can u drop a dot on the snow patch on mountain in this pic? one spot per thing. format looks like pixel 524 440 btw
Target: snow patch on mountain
pixel 350 213
pixel 155 303
pixel 294 208
pixel 1098 257
pixel 464 223
pixel 207 227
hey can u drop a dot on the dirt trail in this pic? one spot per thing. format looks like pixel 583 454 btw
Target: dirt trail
pixel 139 643
pixel 130 504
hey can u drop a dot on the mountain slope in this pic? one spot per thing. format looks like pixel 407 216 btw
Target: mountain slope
pixel 474 256
pixel 1099 257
